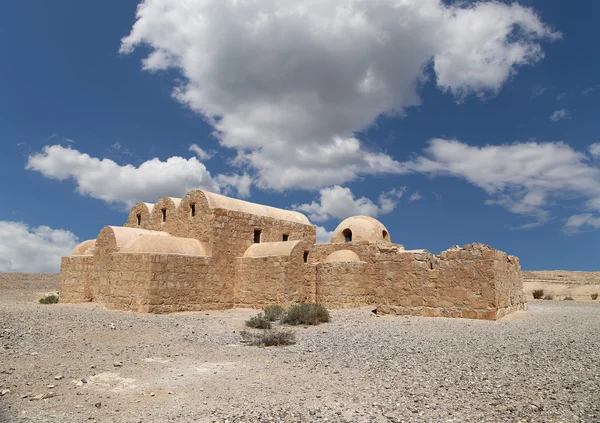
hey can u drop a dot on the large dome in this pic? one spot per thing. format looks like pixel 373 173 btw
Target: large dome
pixel 360 228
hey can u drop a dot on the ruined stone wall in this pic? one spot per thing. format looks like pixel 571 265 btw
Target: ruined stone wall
pixel 509 285
pixel 458 283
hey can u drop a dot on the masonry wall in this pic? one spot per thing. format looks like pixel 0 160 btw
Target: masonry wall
pixel 509 286
pixel 77 276
pixel 458 283
pixel 344 284
pixel 270 280
pixel 185 283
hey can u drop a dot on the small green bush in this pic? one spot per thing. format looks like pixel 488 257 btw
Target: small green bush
pixel 50 299
pixel 306 314
pixel 548 297
pixel 258 322
pixel 538 293
pixel 269 338
pixel 594 296
pixel 273 312
pixel 569 298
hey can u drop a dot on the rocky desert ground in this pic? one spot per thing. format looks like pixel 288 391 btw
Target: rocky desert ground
pixel 84 363
pixel 561 283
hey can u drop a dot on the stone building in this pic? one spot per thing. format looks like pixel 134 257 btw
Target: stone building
pixel 207 251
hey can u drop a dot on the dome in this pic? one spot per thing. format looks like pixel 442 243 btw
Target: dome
pixel 342 255
pixel 86 248
pixel 361 228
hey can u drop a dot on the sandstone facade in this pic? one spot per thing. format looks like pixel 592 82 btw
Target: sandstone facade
pixel 207 251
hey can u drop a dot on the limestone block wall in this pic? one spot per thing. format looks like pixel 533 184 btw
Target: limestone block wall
pixel 123 280
pixel 266 276
pixel 344 284
pixel 77 276
pixel 459 283
pixel 509 286
pixel 184 283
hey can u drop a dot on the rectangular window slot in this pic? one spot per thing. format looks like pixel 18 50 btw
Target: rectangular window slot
pixel 286 237
pixel 257 236
pixel 139 219
pixel 164 215
pixel 306 257
pixel 193 210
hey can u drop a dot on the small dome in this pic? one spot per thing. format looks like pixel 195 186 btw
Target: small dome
pixel 342 255
pixel 86 248
pixel 361 228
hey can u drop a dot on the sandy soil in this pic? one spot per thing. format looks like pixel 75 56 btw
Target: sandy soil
pixel 562 283
pixel 539 365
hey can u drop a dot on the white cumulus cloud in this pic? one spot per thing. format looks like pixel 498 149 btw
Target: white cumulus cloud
pixel 523 177
pixel 200 152
pixel 126 185
pixel 33 249
pixel 594 150
pixel 288 83
pixel 415 197
pixel 559 115
pixel 339 202
pixel 577 221
pixel 323 235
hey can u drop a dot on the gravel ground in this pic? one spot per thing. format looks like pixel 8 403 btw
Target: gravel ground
pixel 83 363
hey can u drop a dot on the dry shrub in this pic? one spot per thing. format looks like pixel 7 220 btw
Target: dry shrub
pixel 273 312
pixel 538 293
pixel 548 297
pixel 569 298
pixel 269 338
pixel 259 322
pixel 594 296
pixel 50 299
pixel 306 314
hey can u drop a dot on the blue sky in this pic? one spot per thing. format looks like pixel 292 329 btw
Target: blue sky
pixel 450 123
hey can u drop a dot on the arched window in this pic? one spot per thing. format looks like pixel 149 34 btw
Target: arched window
pixel 139 219
pixel 385 235
pixel 347 235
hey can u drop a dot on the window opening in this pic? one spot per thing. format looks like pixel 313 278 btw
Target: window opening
pixel 139 219
pixel 257 236
pixel 286 237
pixel 193 210
pixel 347 235
pixel 164 215
pixel 386 236
pixel 306 257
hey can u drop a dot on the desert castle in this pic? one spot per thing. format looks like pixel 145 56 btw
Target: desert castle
pixel 207 251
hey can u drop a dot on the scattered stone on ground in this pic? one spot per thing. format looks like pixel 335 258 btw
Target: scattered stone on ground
pixel 542 365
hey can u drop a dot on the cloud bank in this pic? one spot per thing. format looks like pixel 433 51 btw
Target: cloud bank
pixel 126 185
pixel 36 249
pixel 287 84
